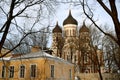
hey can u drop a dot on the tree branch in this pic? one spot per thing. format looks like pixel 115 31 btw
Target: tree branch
pixel 105 7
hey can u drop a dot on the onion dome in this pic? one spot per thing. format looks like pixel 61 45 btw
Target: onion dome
pixel 70 20
pixel 57 29
pixel 84 28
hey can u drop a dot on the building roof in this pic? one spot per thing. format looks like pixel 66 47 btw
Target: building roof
pixel 39 54
pixel 84 28
pixel 57 28
pixel 5 58
pixel 70 20
pixel 34 55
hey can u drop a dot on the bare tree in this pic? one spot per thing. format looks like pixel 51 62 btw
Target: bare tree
pixel 96 42
pixel 109 47
pixel 34 39
pixel 112 12
pixel 111 50
pixel 96 36
pixel 16 13
pixel 41 38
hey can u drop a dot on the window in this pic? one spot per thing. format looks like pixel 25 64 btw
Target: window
pixel 70 34
pixel 75 58
pixel 73 32
pixel 11 73
pixel 52 70
pixel 33 70
pixel 67 32
pixel 3 71
pixel 22 71
pixel 70 74
pixel 85 57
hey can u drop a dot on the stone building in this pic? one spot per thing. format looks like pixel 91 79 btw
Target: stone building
pixel 74 45
pixel 37 65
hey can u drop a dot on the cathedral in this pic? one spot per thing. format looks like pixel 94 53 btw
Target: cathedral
pixel 74 45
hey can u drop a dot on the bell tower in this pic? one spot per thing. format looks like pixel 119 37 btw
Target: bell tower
pixel 57 41
pixel 84 39
pixel 70 36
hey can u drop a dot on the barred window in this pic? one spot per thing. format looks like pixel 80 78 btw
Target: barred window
pixel 11 72
pixel 33 70
pixel 22 71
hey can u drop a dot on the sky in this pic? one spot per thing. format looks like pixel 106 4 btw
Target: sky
pixel 63 11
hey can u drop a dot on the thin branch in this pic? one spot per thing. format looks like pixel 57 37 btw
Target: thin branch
pixel 27 6
pixel 18 43
pixel 4 11
pixel 97 25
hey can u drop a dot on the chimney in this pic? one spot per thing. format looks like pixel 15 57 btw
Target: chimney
pixel 35 49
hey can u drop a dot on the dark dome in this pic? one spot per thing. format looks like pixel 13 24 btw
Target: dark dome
pixel 57 28
pixel 70 20
pixel 84 28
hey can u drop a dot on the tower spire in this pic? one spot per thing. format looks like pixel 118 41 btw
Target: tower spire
pixel 69 11
pixel 57 22
pixel 84 22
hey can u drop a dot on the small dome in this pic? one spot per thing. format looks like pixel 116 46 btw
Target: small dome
pixel 70 20
pixel 57 28
pixel 84 28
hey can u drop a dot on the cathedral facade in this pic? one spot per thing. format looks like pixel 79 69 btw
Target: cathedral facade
pixel 74 45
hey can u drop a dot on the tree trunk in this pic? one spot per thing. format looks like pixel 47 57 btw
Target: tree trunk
pixel 115 19
pixel 8 22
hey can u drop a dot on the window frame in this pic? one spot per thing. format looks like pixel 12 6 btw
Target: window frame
pixel 22 71
pixel 11 72
pixel 3 72
pixel 52 71
pixel 33 72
